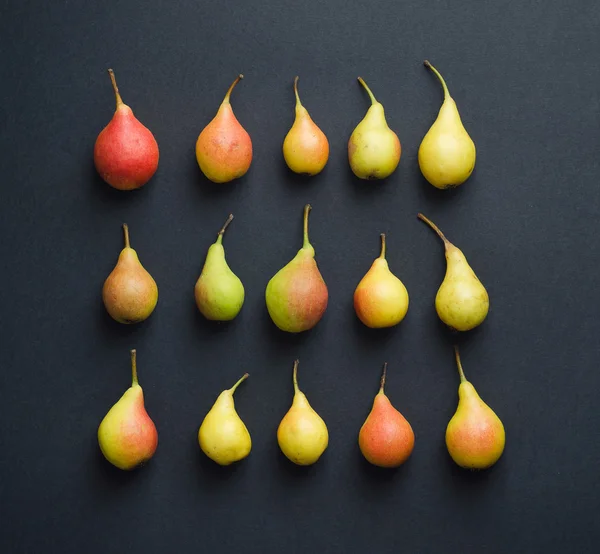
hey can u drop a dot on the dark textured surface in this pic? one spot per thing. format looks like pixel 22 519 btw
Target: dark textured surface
pixel 526 81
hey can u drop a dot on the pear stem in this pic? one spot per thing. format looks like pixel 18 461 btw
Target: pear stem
pixel 115 87
pixel 463 379
pixel 134 377
pixel 434 227
pixel 222 231
pixel 382 255
pixel 428 65
pixel 362 82
pixel 126 234
pixel 298 103
pixel 307 209
pixel 237 80
pixel 295 376
pixel 382 382
pixel 242 379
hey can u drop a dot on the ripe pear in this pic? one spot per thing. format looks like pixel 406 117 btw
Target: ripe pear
pixel 130 293
pixel 127 436
pixel 380 299
pixel 475 436
pixel 461 302
pixel 223 436
pixel 373 149
pixel 224 148
pixel 447 153
pixel 302 434
pixel 126 152
pixel 386 439
pixel 219 292
pixel 305 148
pixel 296 295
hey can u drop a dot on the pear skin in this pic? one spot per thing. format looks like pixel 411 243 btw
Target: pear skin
pixel 219 292
pixel 386 439
pixel 127 436
pixel 373 149
pixel 223 436
pixel 305 148
pixel 461 302
pixel 224 148
pixel 126 152
pixel 380 299
pixel 302 434
pixel 475 436
pixel 447 153
pixel 297 295
pixel 129 293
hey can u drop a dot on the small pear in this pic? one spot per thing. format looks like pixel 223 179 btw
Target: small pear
pixel 475 436
pixel 223 436
pixel 126 152
pixel 130 293
pixel 380 299
pixel 224 148
pixel 373 149
pixel 305 148
pixel 386 439
pixel 447 153
pixel 127 436
pixel 219 292
pixel 461 302
pixel 302 434
pixel 296 295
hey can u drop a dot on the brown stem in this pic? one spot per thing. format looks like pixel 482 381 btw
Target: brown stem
pixel 126 233
pixel 113 80
pixel 382 255
pixel 295 376
pixel 242 379
pixel 459 364
pixel 307 209
pixel 237 80
pixel 383 374
pixel 434 227
pixel 222 231
pixel 298 103
pixel 134 377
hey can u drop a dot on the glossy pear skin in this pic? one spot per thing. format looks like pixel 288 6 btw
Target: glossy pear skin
pixel 224 148
pixel 223 436
pixel 302 434
pixel 219 292
pixel 296 295
pixel 447 153
pixel 373 149
pixel 475 436
pixel 386 438
pixel 380 299
pixel 127 436
pixel 461 302
pixel 305 148
pixel 126 152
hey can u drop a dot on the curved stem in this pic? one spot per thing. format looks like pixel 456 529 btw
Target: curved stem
pixel 434 227
pixel 382 382
pixel 126 233
pixel 459 364
pixel 237 80
pixel 362 82
pixel 298 103
pixel 222 231
pixel 428 65
pixel 242 379
pixel 134 377
pixel 307 209
pixel 295 376
pixel 382 255
pixel 115 87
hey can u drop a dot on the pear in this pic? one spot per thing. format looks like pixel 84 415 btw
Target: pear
pixel 126 152
pixel 224 148
pixel 302 434
pixel 475 435
pixel 447 153
pixel 223 436
pixel 380 299
pixel 130 293
pixel 127 436
pixel 296 295
pixel 373 149
pixel 219 292
pixel 461 302
pixel 305 148
pixel 386 439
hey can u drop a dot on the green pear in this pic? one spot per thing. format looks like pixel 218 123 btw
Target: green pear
pixel 461 302
pixel 373 149
pixel 223 436
pixel 475 436
pixel 447 153
pixel 219 292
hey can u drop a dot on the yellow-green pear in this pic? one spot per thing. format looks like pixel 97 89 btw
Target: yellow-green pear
pixel 475 436
pixel 302 434
pixel 219 292
pixel 461 302
pixel 223 436
pixel 447 153
pixel 373 149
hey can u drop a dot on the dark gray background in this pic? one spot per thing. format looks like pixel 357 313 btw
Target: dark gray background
pixel 525 77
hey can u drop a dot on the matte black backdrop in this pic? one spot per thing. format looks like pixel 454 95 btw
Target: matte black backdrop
pixel 526 80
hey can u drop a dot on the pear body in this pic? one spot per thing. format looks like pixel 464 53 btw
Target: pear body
pixel 305 148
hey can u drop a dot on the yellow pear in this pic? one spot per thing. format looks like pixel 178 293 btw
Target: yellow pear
pixel 305 148
pixel 447 153
pixel 223 436
pixel 302 434
pixel 461 302
pixel 373 149
pixel 475 436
